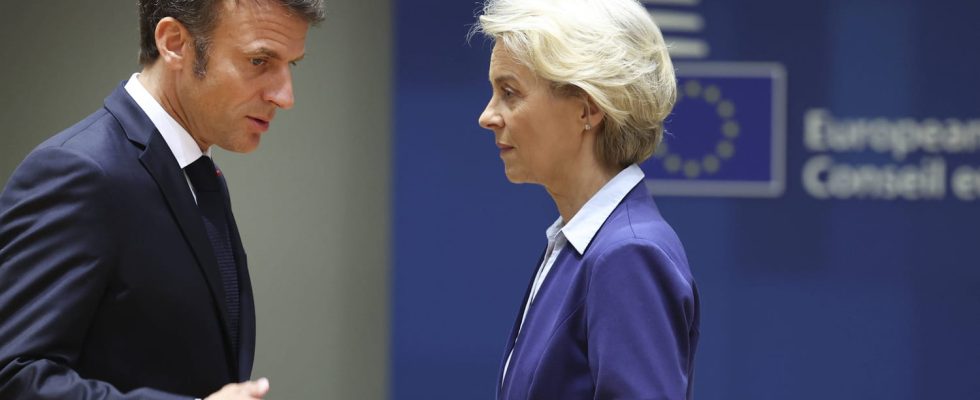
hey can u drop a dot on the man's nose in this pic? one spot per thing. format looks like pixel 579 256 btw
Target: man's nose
pixel 282 93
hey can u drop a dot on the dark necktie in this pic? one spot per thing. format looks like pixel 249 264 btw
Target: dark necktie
pixel 210 200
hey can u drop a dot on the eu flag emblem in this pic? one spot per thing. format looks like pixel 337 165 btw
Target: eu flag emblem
pixel 726 135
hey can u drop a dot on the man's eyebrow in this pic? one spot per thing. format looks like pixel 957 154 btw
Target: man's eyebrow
pixel 265 51
pixel 269 53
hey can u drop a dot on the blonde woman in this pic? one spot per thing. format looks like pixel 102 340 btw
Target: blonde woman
pixel 581 89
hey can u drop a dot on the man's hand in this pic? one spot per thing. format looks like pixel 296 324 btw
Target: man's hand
pixel 248 390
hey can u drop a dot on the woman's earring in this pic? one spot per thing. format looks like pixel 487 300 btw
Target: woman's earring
pixel 588 112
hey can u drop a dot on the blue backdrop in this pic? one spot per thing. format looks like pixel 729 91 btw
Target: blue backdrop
pixel 849 285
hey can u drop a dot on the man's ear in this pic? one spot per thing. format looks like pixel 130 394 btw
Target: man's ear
pixel 174 43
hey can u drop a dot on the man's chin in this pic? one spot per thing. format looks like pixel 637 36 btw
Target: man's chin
pixel 245 146
pixel 249 148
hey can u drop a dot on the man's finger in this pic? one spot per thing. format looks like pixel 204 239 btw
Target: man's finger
pixel 257 388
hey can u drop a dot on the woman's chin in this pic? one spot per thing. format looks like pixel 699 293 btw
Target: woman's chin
pixel 514 176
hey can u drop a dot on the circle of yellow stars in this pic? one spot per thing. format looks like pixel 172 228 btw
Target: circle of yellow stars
pixel 725 148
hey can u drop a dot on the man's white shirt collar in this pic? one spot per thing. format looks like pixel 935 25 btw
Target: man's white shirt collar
pixel 181 144
pixel 586 223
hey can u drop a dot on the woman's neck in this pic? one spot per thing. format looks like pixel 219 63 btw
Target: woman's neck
pixel 577 185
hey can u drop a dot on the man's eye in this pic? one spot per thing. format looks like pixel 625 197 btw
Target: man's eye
pixel 258 62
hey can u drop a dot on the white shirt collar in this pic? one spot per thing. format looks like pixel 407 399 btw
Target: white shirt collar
pixel 586 223
pixel 554 230
pixel 181 143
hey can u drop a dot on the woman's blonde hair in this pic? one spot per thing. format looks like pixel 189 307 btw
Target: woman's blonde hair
pixel 609 49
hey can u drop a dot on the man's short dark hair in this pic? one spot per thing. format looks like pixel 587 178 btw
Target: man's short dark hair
pixel 200 17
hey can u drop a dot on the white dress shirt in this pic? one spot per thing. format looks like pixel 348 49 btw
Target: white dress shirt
pixel 181 144
pixel 580 230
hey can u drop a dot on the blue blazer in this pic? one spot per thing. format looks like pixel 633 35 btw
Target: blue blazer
pixel 619 321
pixel 109 288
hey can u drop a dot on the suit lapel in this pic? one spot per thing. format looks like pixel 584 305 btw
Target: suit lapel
pixel 159 162
pixel 516 328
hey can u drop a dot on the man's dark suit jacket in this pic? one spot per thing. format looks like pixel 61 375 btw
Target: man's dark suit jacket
pixel 109 287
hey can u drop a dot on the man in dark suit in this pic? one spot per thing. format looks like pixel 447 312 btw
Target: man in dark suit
pixel 122 274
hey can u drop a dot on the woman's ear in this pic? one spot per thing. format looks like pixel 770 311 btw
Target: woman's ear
pixel 592 116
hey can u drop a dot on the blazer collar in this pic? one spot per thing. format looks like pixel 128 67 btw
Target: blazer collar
pixel 134 122
pixel 582 228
